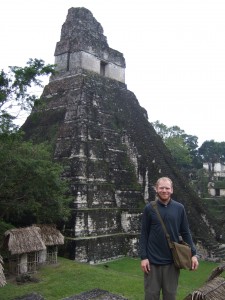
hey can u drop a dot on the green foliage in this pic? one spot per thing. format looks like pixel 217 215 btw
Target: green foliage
pixel 179 150
pixel 122 277
pixel 219 184
pixel 32 189
pixel 212 151
pixel 14 93
pixel 3 228
pixel 183 147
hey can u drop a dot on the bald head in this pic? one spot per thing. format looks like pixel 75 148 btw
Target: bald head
pixel 164 188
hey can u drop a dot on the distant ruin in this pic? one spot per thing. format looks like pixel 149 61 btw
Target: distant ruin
pixel 111 154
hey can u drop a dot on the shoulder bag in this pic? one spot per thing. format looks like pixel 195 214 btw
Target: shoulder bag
pixel 181 251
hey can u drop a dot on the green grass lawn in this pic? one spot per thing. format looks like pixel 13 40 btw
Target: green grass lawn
pixel 123 277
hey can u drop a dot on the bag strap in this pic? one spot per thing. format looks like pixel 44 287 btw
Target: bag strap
pixel 154 205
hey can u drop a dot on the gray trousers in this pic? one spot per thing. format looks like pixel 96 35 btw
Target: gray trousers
pixel 161 278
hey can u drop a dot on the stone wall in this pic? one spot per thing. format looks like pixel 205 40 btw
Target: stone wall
pixel 101 248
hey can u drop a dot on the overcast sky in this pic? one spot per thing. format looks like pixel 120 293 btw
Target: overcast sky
pixel 174 52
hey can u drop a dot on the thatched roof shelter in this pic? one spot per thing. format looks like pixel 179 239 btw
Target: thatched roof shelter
pixel 50 235
pixel 213 289
pixel 24 240
pixel 2 275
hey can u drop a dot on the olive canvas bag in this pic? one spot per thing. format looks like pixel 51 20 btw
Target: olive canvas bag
pixel 181 252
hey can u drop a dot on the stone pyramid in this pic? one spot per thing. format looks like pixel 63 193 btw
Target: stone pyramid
pixel 111 154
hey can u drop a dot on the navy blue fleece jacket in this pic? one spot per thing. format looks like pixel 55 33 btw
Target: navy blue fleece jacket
pixel 153 242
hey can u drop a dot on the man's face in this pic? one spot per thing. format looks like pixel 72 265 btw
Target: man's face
pixel 164 190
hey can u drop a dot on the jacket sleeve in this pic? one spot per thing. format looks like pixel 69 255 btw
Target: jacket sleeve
pixel 145 229
pixel 186 234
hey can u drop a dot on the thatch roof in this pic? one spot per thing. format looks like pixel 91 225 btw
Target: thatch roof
pixel 213 289
pixel 2 276
pixel 24 240
pixel 217 271
pixel 50 235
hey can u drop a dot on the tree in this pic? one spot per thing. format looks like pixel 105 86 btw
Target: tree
pixel 179 151
pixel 14 91
pixel 32 189
pixel 161 129
pixel 183 147
pixel 212 152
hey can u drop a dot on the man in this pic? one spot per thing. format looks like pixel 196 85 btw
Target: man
pixel 160 274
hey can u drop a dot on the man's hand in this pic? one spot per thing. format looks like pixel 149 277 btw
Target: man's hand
pixel 145 266
pixel 194 265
